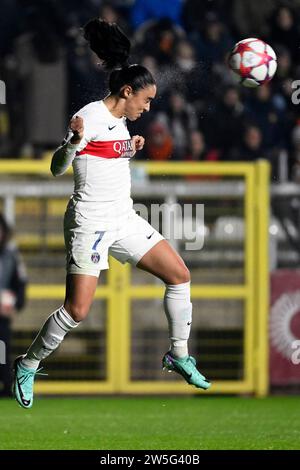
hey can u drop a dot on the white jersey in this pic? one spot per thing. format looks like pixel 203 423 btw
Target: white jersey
pixel 100 220
pixel 102 182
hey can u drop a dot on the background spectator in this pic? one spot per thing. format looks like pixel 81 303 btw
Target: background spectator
pixel 198 150
pixel 180 119
pixel 263 109
pixel 251 147
pixel 285 30
pixel 12 298
pixel 159 144
pixel 144 10
pixel 223 126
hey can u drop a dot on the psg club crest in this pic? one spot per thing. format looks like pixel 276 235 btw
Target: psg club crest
pixel 95 257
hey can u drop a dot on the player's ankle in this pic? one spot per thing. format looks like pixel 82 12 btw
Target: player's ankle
pixel 179 349
pixel 30 363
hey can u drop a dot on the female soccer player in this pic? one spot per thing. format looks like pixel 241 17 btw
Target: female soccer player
pixel 100 218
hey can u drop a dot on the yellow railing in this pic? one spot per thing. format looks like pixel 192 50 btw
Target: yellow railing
pixel 119 292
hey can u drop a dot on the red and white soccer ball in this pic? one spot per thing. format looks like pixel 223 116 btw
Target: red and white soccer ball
pixel 254 61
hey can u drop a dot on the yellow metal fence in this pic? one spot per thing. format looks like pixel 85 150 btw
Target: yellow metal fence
pixel 119 292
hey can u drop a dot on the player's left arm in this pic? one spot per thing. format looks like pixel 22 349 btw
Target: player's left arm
pixel 138 142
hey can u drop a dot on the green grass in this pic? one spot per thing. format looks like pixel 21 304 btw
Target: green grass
pixel 152 423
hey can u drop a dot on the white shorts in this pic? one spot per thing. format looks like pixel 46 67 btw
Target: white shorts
pixel 88 247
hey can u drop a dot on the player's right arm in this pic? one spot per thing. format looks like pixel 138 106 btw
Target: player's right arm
pixel 64 155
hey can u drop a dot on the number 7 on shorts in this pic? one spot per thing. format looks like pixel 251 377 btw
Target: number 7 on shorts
pixel 98 240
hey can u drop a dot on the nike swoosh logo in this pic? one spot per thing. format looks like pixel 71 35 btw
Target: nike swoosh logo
pixel 189 323
pixel 110 128
pixel 185 374
pixel 149 236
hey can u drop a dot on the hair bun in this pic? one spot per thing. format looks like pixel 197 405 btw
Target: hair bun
pixel 109 42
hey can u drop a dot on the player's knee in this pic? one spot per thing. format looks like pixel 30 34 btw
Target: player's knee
pixel 77 311
pixel 184 275
pixel 179 276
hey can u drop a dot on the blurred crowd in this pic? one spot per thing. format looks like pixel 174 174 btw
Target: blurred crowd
pixel 201 113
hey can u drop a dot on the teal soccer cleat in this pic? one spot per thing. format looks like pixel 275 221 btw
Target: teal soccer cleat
pixel 23 383
pixel 187 368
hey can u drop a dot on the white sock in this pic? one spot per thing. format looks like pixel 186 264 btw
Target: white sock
pixel 49 337
pixel 178 308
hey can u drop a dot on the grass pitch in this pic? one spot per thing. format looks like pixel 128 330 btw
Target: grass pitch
pixel 159 423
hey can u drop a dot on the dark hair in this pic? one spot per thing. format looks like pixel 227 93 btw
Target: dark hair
pixel 112 46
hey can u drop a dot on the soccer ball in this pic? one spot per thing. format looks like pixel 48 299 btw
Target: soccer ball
pixel 254 61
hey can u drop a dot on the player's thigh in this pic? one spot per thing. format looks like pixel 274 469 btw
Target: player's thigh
pixel 87 251
pixel 143 246
pixel 134 240
pixel 165 263
pixel 86 257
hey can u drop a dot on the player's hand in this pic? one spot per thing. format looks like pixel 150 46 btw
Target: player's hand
pixel 7 303
pixel 76 126
pixel 137 142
